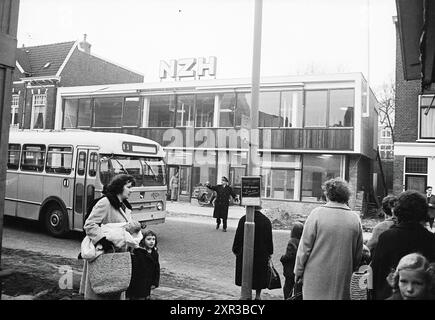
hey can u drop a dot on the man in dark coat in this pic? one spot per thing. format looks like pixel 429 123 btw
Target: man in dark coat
pixel 408 236
pixel 263 249
pixel 431 203
pixel 222 202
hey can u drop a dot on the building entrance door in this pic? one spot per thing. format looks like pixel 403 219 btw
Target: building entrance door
pixel 184 184
pixel 236 174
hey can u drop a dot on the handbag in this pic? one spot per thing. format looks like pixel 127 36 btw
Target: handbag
pixel 110 273
pixel 274 281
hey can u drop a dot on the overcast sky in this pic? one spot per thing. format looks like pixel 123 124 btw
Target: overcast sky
pixel 299 36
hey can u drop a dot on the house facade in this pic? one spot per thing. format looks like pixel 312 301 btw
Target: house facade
pixel 41 70
pixel 414 146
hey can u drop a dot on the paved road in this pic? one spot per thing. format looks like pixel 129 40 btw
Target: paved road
pixel 187 246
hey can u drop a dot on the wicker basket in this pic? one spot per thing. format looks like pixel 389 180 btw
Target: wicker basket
pixel 110 273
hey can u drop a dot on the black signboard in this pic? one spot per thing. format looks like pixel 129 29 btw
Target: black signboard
pixel 251 187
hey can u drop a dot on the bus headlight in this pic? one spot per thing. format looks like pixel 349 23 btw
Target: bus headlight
pixel 160 206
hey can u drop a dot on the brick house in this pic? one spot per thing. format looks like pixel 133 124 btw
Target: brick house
pixel 41 70
pixel 414 146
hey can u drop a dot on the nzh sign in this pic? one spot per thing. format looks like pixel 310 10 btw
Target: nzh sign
pixel 187 67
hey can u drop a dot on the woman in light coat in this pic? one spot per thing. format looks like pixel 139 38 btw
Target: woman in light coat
pixel 330 248
pixel 112 208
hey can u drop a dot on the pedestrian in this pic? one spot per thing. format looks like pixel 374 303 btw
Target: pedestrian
pixel 431 204
pixel 174 184
pixel 359 279
pixel 413 279
pixel 263 250
pixel 408 236
pixel 145 268
pixel 388 204
pixel 330 248
pixel 289 258
pixel 113 208
pixel 222 202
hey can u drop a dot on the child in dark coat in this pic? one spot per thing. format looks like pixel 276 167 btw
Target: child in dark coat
pixel 145 268
pixel 289 258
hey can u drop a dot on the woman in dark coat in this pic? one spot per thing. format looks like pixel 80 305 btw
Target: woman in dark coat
pixel 406 237
pixel 263 250
pixel 222 202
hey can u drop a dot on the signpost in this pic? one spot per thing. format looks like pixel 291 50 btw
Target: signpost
pixel 249 230
pixel 251 191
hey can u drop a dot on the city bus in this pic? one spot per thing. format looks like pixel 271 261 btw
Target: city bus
pixel 53 176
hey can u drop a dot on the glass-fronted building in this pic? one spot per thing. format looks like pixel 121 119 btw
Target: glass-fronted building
pixel 311 128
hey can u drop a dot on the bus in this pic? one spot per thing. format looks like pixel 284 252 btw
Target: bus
pixel 53 176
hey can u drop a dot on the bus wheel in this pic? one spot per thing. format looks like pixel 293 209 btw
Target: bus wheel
pixel 56 221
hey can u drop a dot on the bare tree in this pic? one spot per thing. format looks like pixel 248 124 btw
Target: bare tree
pixel 387 104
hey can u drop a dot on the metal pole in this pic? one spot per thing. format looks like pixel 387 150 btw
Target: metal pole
pixel 249 231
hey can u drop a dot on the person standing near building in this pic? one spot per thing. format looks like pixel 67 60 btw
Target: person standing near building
pixel 263 250
pixel 431 203
pixel 330 248
pixel 174 184
pixel 222 202
pixel 408 236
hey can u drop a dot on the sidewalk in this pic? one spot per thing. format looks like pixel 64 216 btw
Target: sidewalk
pixel 37 278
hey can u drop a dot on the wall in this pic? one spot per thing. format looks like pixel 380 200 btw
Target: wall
pixel 406 113
pixel 84 69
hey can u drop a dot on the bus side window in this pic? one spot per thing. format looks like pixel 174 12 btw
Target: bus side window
pixel 59 160
pixel 33 157
pixel 14 156
pixel 93 162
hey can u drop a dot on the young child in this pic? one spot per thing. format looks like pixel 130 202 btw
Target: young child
pixel 145 268
pixel 359 279
pixel 289 258
pixel 413 279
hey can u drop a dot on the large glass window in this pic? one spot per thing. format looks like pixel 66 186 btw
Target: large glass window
pixel 107 112
pixel 281 176
pixel 341 106
pixel 204 167
pixel 161 111
pixel 39 105
pixel 227 105
pixel 185 110
pixel 316 170
pixel 70 113
pixel 243 108
pixel 132 107
pixel 268 109
pixel 291 109
pixel 59 160
pixel 315 108
pixel 427 117
pixel 33 157
pixel 204 110
pixel 85 114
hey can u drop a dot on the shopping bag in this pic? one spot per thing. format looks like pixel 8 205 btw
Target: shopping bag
pixel 274 281
pixel 110 273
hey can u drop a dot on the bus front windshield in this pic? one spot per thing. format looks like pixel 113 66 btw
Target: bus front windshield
pixel 145 170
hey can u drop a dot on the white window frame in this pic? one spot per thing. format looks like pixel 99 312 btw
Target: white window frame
pixel 15 103
pixel 386 148
pixel 39 101
pixel 386 133
pixel 419 117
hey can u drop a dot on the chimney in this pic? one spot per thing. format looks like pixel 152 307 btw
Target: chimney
pixel 84 45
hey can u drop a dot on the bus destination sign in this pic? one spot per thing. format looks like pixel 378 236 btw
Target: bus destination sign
pixel 139 148
pixel 251 186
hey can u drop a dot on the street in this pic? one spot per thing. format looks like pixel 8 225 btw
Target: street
pixel 190 248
